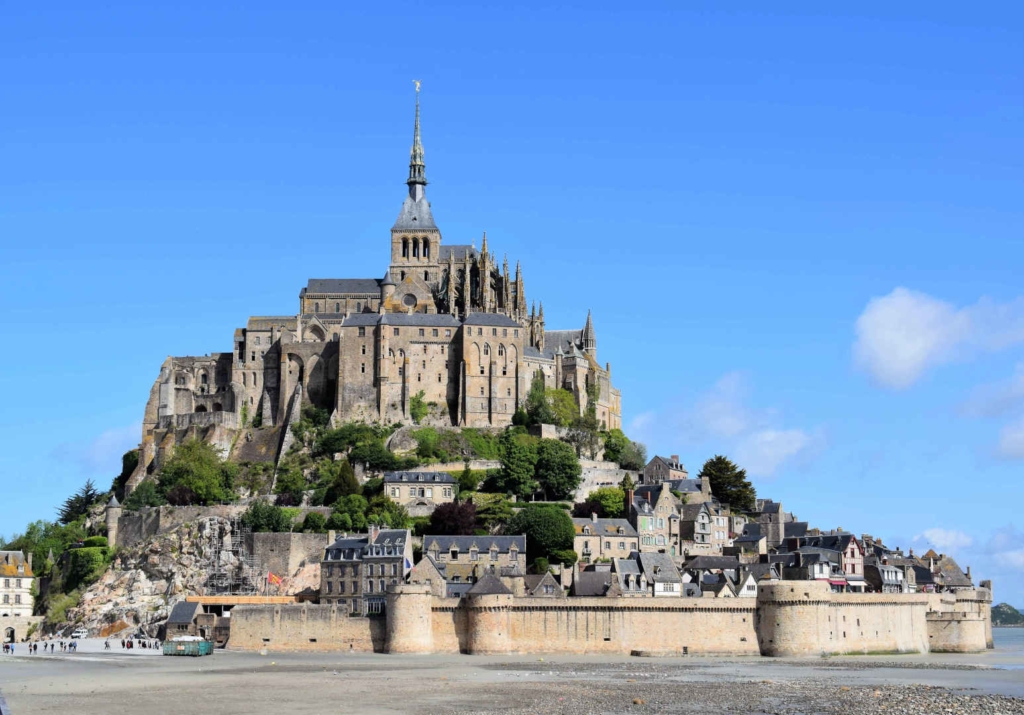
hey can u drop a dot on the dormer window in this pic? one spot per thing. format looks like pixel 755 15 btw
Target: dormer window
pixel 586 529
pixel 454 555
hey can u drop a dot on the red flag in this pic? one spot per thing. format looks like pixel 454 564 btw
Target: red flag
pixel 275 580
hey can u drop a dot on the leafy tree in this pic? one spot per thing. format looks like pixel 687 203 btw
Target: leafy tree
pixel 520 418
pixel 339 479
pixel 290 486
pixel 418 408
pixel 339 521
pixel 261 515
pixel 41 537
pixel 615 441
pixel 557 469
pixel 627 483
pixel 345 438
pixel 453 519
pixel 541 565
pixel 85 565
pixel 492 510
pixel 548 530
pixel 538 410
pixel 563 406
pixel 634 456
pixel 197 473
pixel 372 487
pixel 129 461
pixel 729 483
pixel 584 433
pixel 314 523
pixel 566 557
pixel 146 494
pixel 518 460
pixel 385 512
pixel 469 480
pixel 77 505
pixel 606 502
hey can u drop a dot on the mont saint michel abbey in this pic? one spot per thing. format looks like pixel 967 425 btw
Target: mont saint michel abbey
pixel 449 320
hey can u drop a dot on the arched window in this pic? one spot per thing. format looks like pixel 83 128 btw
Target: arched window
pixel 501 351
pixel 316 307
pixel 415 248
pixel 203 379
pixel 405 248
pixel 217 407
pixel 254 379
pixel 487 349
pixel 337 307
pixel 202 408
pixel 244 380
pixel 359 307
pixel 426 248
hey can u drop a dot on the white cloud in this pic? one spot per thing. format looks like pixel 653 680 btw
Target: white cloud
pixel 720 412
pixel 103 454
pixel 903 334
pixel 1011 440
pixel 640 427
pixel 764 451
pixel 996 399
pixel 945 540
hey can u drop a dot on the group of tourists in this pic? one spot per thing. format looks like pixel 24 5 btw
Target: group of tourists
pixel 129 644
pixel 33 648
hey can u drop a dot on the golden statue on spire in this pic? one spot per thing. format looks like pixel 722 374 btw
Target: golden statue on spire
pixel 417 83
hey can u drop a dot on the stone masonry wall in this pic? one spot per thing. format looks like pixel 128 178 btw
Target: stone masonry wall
pixel 303 627
pixel 284 554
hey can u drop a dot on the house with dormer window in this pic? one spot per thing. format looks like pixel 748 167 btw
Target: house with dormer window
pixel 357 569
pixel 604 539
pixel 653 512
pixel 466 559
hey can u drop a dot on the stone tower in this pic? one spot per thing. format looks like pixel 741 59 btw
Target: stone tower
pixel 588 338
pixel 113 514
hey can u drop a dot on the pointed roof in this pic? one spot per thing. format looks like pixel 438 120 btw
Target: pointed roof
pixel 387 279
pixel 415 213
pixel 113 501
pixel 489 585
pixel 587 337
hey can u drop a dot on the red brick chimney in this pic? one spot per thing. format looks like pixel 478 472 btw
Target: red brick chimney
pixel 675 459
pixel 629 501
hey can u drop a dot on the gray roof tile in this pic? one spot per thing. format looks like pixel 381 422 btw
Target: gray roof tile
pixel 350 286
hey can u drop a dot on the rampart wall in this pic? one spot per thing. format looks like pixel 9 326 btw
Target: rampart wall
pixel 308 627
pixel 792 618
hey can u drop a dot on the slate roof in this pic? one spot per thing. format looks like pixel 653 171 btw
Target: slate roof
pixel 689 512
pixel 794 529
pixel 770 507
pixel 482 543
pixel 659 568
pixel 362 319
pixel 351 286
pixel 592 583
pixel 533 583
pixel 458 251
pixel 419 477
pixel 113 501
pixel 360 543
pixel 758 571
pixel 488 585
pixel 752 529
pixel 604 527
pixel 923 575
pixel 833 542
pixel 949 574
pixel 686 486
pixel 266 322
pixel 491 319
pixel 183 613
pixel 415 216
pixel 9 562
pixel 701 563
pixel 677 466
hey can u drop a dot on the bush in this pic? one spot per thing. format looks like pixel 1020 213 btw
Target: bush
pixel 469 479
pixel 57 613
pixel 314 523
pixel 541 565
pixel 146 494
pixel 264 516
pixel 291 485
pixel 95 541
pixel 606 502
pixel 566 557
pixel 385 512
pixel 481 444
pixel 421 526
pixel 492 510
pixel 557 469
pixel 129 461
pixel 85 565
pixel 418 409
pixel 196 474
pixel 339 521
pixel 453 519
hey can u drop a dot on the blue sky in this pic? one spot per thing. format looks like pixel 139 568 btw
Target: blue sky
pixel 800 231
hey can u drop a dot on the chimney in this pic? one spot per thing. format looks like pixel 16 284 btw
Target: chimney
pixel 331 537
pixel 28 557
pixel 374 529
pixel 593 516
pixel 968 574
pixel 629 501
pixel 675 459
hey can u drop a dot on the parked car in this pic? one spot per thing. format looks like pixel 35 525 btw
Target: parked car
pixel 79 633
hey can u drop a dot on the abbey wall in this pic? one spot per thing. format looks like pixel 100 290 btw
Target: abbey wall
pixel 788 618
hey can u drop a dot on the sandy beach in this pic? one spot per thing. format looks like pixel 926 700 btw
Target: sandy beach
pixel 94 682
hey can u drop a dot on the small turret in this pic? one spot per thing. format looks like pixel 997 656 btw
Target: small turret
pixel 387 286
pixel 588 338
pixel 113 514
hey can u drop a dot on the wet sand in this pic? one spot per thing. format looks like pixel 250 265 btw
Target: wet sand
pixel 93 681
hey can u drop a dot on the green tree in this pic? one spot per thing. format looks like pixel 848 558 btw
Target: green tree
pixel 418 408
pixel 563 406
pixel 261 515
pixel 518 461
pixel 557 469
pixel 77 505
pixel 146 494
pixel 627 483
pixel 729 483
pixel 196 474
pixel 584 434
pixel 385 512
pixel 492 510
pixel 340 480
pixel 615 441
pixel 612 501
pixel 453 519
pixel 339 521
pixel 41 537
pixel 538 409
pixel 548 530
pixel 290 486
pixel 314 523
pixel 633 456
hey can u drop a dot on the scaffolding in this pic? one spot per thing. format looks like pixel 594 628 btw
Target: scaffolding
pixel 234 570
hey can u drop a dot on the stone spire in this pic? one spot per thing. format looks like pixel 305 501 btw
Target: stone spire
pixel 588 338
pixel 417 169
pixel 520 293
pixel 506 288
pixel 451 283
pixel 540 328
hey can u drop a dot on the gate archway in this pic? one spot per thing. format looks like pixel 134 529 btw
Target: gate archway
pixel 8 635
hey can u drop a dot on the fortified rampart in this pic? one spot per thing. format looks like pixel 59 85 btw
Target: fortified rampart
pixel 790 618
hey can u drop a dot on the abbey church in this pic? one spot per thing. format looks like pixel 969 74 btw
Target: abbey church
pixel 445 320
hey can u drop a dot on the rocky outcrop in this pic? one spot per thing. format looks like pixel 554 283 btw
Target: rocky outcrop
pixel 144 582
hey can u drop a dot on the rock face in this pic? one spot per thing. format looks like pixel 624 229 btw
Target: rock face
pixel 141 587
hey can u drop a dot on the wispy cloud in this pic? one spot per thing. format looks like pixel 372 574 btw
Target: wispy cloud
pixel 900 336
pixel 103 453
pixel 945 540
pixel 998 398
pixel 1011 440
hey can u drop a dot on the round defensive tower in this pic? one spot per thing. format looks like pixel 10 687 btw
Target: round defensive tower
pixel 489 623
pixel 788 617
pixel 409 626
pixel 113 514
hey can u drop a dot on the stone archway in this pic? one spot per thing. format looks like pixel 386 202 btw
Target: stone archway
pixel 8 635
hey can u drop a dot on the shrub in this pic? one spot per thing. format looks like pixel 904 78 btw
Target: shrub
pixel 481 444
pixel 95 541
pixel 566 557
pixel 453 519
pixel 314 523
pixel 421 526
pixel 146 494
pixel 264 516
pixel 541 565
pixel 548 530
pixel 418 409
pixel 85 565
pixel 196 474
pixel 339 521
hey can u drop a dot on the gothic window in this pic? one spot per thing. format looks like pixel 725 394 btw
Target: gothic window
pixel 426 248
pixel 316 307
pixel 419 377
pixel 415 248
pixel 337 307
pixel 501 350
pixel 487 348
pixel 364 349
pixel 245 381
pixel 362 367
pixel 359 307
pixel 203 379
pixel 439 377
pixel 405 248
